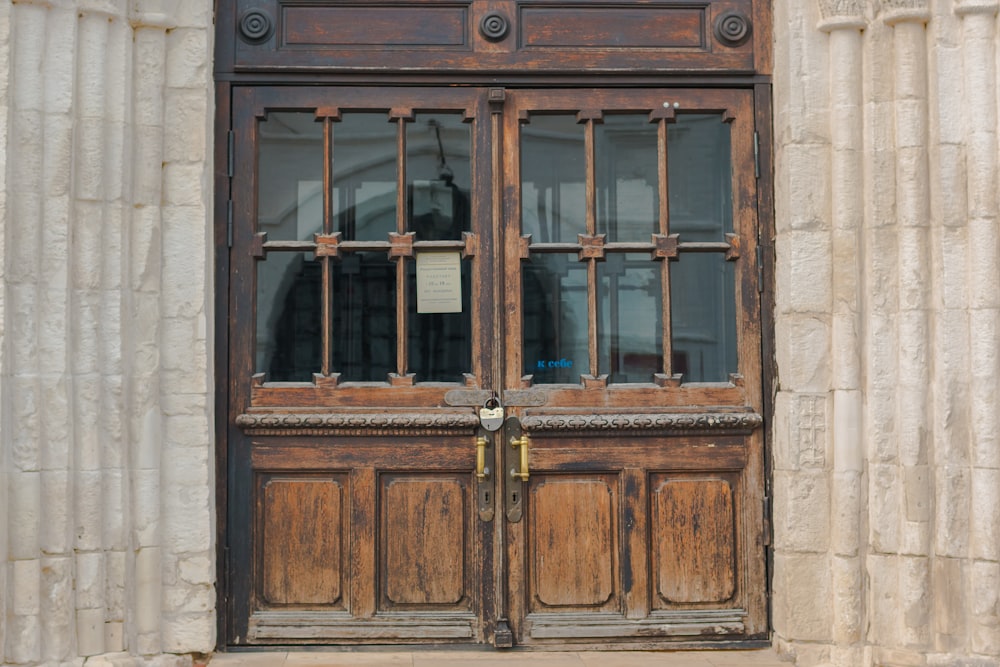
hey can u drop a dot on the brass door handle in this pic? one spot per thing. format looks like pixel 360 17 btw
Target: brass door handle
pixel 482 472
pixel 523 473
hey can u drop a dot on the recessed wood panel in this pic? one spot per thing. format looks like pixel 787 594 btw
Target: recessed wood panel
pixel 573 542
pixel 694 539
pixel 424 522
pixel 302 560
pixel 581 26
pixel 379 26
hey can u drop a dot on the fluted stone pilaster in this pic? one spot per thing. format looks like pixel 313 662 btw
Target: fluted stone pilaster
pixel 86 479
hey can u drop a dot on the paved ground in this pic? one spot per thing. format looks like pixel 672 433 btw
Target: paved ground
pixel 493 658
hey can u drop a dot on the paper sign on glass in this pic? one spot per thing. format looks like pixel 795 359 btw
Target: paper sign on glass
pixel 439 282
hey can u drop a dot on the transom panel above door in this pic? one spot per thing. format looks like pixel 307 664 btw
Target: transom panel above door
pixel 494 368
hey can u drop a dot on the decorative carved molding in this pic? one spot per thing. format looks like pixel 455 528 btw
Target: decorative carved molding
pixel 988 7
pixel 653 423
pixel 842 10
pixel 904 11
pixel 357 423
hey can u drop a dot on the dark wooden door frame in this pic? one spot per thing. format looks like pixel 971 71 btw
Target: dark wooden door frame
pixel 758 78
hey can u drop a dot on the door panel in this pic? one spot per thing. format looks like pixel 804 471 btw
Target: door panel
pixel 303 526
pixel 424 526
pixel 583 260
pixel 694 540
pixel 573 563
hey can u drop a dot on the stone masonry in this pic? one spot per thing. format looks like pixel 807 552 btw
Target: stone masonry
pixel 885 438
pixel 106 514
pixel 885 433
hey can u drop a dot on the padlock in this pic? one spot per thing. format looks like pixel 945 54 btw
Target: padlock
pixel 491 418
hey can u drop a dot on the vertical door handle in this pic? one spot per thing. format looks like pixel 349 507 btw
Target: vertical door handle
pixel 521 443
pixel 482 472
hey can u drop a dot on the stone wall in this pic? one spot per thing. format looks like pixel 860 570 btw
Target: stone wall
pixel 885 439
pixel 106 479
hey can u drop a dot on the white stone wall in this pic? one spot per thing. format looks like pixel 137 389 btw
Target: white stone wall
pixel 886 446
pixel 106 475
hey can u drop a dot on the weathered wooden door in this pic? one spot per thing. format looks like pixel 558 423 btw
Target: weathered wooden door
pixel 494 367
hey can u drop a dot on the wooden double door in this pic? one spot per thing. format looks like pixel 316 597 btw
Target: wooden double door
pixel 494 367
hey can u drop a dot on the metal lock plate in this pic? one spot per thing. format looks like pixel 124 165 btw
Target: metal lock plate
pixel 491 415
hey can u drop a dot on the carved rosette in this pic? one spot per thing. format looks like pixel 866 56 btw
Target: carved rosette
pixel 733 28
pixel 255 26
pixel 367 423
pixel 652 424
pixel 494 26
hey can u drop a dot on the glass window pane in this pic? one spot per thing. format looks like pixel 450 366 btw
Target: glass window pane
pixel 700 175
pixel 627 178
pixel 364 317
pixel 289 328
pixel 364 176
pixel 553 179
pixel 438 176
pixel 555 319
pixel 290 198
pixel 630 303
pixel 703 317
pixel 440 344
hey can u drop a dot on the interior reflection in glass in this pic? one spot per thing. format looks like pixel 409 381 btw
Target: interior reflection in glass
pixel 439 176
pixel 627 177
pixel 553 179
pixel 288 324
pixel 555 319
pixel 700 175
pixel 364 176
pixel 702 287
pixel 629 339
pixel 290 190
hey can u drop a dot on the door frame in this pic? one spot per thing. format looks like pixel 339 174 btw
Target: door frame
pixel 228 76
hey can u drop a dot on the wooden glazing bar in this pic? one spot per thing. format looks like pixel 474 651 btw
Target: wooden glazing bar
pixel 496 224
pixel 663 182
pixel 614 246
pixel 704 246
pixel 589 143
pixel 376 246
pixel 592 315
pixel 326 315
pixel 289 246
pixel 401 360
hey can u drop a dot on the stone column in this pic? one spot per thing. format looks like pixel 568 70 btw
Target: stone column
pixel 844 21
pixel 801 435
pixel 969 532
pixel 143 386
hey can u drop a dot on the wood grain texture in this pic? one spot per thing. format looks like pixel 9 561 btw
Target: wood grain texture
pixel 695 545
pixel 303 530
pixel 394 25
pixel 573 542
pixel 623 27
pixel 424 523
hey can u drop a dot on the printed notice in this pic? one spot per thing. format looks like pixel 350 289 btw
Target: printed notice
pixel 439 282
